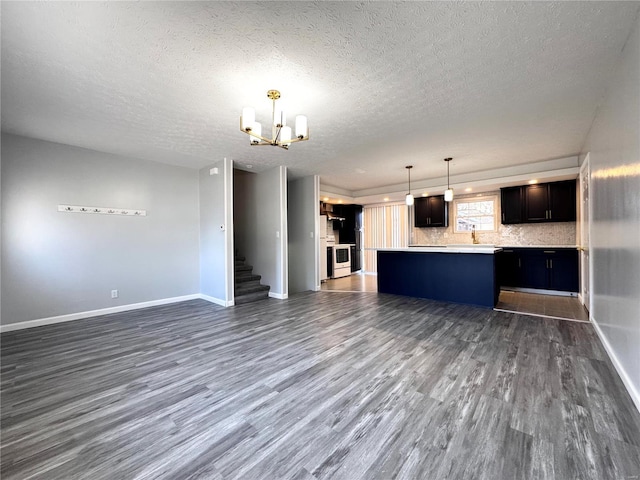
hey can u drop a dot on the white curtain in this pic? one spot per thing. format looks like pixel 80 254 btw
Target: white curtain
pixel 384 226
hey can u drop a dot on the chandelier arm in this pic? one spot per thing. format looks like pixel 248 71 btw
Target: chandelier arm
pixel 264 139
pixel 271 141
pixel 294 140
pixel 277 135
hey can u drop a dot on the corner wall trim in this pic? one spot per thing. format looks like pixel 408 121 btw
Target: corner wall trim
pixel 279 296
pixel 217 301
pixel 96 313
pixel 633 393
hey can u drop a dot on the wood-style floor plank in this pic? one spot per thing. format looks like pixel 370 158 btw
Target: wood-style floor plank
pixel 322 385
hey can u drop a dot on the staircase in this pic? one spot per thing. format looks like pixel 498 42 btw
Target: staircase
pixel 248 287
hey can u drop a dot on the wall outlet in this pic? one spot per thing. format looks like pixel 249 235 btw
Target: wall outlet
pixel 114 293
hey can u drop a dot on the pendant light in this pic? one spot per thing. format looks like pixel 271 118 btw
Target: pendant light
pixel 409 198
pixel 448 193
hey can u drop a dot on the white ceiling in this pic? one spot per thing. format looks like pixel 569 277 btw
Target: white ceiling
pixel 383 84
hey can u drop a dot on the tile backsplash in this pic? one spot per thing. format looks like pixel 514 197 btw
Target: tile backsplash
pixel 561 233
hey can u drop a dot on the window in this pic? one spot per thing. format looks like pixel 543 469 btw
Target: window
pixel 479 212
pixel 384 226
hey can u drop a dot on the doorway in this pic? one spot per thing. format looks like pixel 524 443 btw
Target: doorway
pixel 585 219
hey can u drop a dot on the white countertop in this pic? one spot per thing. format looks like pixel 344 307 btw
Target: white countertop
pixel 539 246
pixel 496 246
pixel 444 249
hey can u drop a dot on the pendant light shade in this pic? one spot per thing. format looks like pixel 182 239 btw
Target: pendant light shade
pixel 409 198
pixel 247 119
pixel 285 136
pixel 448 193
pixel 256 129
pixel 301 126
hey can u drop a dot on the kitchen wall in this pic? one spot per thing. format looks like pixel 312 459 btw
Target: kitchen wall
pixel 56 263
pixel 613 145
pixel 331 231
pixel 562 233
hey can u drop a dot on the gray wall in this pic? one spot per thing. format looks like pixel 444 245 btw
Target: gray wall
pixel 216 232
pixel 261 229
pixel 57 263
pixel 303 201
pixel 614 143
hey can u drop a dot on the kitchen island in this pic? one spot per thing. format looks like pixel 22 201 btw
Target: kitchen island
pixel 462 274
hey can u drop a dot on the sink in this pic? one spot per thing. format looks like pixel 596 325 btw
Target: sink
pixel 471 245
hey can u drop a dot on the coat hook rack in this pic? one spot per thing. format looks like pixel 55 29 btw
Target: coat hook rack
pixel 102 210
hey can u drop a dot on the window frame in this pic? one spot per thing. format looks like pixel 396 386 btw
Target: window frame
pixel 483 198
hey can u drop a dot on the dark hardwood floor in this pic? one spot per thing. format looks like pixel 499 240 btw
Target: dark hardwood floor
pixel 322 385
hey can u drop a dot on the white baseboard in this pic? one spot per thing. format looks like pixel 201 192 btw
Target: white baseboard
pixel 635 395
pixel 279 296
pixel 558 293
pixel 105 311
pixel 217 301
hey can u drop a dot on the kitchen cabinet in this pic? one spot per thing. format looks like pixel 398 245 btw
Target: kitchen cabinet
pixel 431 212
pixel 511 201
pixel 509 268
pixel 539 268
pixel 349 229
pixel 550 202
pixel 355 258
pixel 539 203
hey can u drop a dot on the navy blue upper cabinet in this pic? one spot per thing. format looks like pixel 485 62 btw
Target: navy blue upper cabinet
pixel 536 204
pixel 544 202
pixel 431 212
pixel 550 202
pixel 512 201
pixel 562 201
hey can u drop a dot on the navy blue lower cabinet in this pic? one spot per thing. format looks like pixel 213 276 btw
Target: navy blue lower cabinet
pixel 539 268
pixel 564 270
pixel 468 278
pixel 535 273
pixel 509 268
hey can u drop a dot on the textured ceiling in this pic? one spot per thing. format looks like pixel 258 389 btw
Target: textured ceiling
pixel 383 84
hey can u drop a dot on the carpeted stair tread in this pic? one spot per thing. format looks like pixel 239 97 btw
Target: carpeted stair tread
pixel 252 297
pixel 247 278
pixel 243 289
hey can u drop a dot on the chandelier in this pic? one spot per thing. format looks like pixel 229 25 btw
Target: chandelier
pixel 280 132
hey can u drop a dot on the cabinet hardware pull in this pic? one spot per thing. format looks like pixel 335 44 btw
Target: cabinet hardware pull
pixel 507 251
pixel 519 263
pixel 550 263
pixel 503 217
pixel 547 262
pixel 549 251
pixel 549 214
